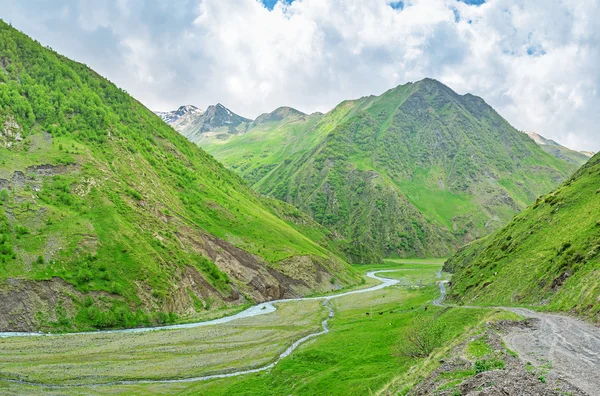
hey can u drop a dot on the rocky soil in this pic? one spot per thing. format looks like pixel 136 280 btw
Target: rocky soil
pixel 515 378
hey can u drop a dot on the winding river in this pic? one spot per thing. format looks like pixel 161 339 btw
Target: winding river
pixel 259 309
pixel 255 310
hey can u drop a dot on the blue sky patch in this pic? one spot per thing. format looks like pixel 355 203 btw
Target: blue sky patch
pixel 472 2
pixel 536 50
pixel 397 5
pixel 456 15
pixel 269 4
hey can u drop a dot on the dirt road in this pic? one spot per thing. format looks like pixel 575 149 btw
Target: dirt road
pixel 569 347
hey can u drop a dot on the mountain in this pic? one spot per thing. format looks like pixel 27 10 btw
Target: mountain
pixel 551 147
pixel 110 218
pixel 547 256
pixel 416 171
pixel 171 117
pixel 216 122
pixel 279 114
pixel 182 117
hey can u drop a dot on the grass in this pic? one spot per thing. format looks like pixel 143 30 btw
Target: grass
pixel 488 364
pixel 431 261
pixel 416 171
pixel 107 357
pixel 417 277
pixel 478 348
pixel 124 209
pixel 410 272
pixel 361 353
pixel 547 257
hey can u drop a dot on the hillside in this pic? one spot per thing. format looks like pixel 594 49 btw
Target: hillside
pixel 417 171
pixel 551 147
pixel 110 218
pixel 547 256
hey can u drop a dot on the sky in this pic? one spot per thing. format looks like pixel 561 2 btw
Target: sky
pixel 535 61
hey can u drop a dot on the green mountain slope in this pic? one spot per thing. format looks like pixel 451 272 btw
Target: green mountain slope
pixel 109 217
pixel 417 171
pixel 551 147
pixel 548 256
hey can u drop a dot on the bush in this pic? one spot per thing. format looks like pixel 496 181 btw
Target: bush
pixel 134 194
pixel 423 336
pixel 20 230
pixel 488 364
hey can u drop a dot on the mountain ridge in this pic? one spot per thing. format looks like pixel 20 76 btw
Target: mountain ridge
pixel 216 120
pixel 109 218
pixel 171 117
pixel 419 150
pixel 559 151
pixel 528 262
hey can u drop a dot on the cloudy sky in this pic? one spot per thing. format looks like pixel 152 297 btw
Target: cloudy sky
pixel 536 61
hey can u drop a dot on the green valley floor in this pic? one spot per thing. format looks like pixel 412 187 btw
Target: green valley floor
pixel 367 349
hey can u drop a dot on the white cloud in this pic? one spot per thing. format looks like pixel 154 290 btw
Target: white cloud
pixel 535 61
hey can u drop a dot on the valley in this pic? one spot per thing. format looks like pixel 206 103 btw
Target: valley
pixel 40 359
pixel 417 171
pixel 411 243
pixel 358 353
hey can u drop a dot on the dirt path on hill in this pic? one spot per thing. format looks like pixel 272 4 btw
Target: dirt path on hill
pixel 568 347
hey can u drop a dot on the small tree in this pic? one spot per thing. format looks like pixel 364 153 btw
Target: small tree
pixel 422 337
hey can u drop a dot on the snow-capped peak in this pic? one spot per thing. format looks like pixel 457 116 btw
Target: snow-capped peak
pixel 171 117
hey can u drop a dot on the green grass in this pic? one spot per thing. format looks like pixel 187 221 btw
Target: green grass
pixel 548 257
pixel 420 261
pixel 488 364
pixel 362 353
pixel 478 348
pixel 359 355
pixel 415 172
pixel 129 210
pixel 106 357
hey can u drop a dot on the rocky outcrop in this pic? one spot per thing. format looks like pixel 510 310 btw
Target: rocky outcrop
pixel 256 279
pixel 10 133
pixel 26 304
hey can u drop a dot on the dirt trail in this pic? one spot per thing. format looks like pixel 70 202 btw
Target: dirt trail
pixel 569 347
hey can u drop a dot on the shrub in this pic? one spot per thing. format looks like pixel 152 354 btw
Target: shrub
pixel 488 364
pixel 134 194
pixel 423 336
pixel 20 230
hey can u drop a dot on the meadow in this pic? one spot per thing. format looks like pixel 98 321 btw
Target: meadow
pixel 362 353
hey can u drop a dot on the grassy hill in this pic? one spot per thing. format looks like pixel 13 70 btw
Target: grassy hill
pixel 547 256
pixel 110 218
pixel 417 171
